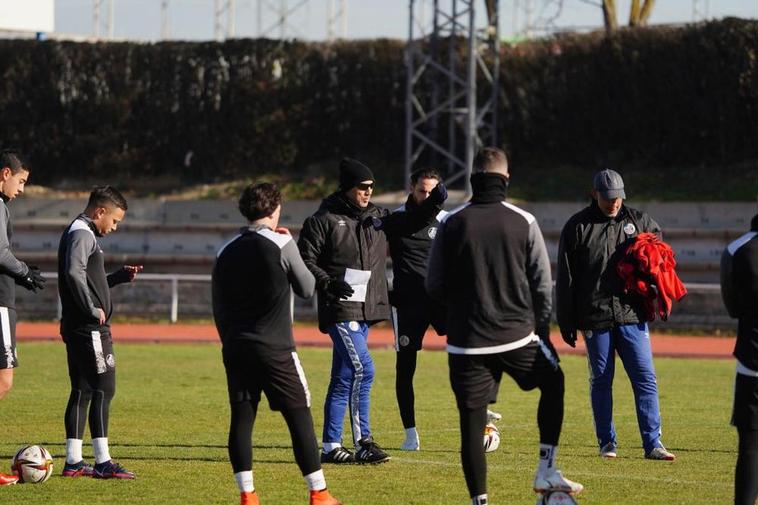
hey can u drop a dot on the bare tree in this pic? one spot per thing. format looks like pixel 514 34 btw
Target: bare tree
pixel 639 13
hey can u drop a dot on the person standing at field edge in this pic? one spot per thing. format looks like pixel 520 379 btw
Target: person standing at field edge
pixel 590 299
pixel 14 172
pixel 739 289
pixel 84 290
pixel 251 284
pixel 347 256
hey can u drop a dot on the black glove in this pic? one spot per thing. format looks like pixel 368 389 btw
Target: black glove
pixel 120 276
pixel 339 289
pixel 33 280
pixel 438 194
pixel 569 336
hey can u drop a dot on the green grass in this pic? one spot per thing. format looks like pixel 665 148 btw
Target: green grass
pixel 169 422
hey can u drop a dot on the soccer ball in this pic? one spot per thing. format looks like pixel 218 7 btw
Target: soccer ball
pixel 556 498
pixel 33 464
pixel 491 438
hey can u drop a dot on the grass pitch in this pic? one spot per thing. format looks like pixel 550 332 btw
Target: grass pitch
pixel 170 416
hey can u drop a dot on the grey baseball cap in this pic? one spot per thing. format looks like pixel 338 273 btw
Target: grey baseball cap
pixel 609 184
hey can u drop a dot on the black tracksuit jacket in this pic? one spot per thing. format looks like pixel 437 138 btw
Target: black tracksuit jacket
pixel 10 267
pixel 338 236
pixel 489 267
pixel 410 230
pixel 739 289
pixel 588 291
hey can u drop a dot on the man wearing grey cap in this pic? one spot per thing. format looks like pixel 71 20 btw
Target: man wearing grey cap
pixel 590 300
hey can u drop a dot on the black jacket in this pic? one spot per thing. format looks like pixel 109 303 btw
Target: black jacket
pixel 739 289
pixel 10 267
pixel 588 290
pixel 410 230
pixel 490 268
pixel 340 236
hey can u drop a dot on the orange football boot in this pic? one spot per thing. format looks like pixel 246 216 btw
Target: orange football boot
pixel 7 480
pixel 323 498
pixel 249 498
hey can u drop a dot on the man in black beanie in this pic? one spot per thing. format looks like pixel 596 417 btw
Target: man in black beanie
pixel 347 255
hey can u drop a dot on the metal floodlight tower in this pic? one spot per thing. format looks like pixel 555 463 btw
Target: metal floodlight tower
pixel 337 20
pixel 448 54
pixel 97 21
pixel 700 10
pixel 282 14
pixel 224 30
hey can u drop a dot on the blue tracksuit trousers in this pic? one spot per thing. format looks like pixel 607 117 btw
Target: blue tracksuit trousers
pixel 350 384
pixel 632 342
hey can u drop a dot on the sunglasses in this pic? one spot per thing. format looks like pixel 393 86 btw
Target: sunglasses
pixel 365 186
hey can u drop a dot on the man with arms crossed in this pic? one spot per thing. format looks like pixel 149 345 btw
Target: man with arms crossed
pixel 84 289
pixel 251 307
pixel 739 288
pixel 489 267
pixel 14 172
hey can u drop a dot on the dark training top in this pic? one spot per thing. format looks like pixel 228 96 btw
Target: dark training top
pixel 10 267
pixel 739 288
pixel 251 288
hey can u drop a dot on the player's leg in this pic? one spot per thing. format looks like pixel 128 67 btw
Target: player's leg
pixel 601 357
pixel 244 391
pixel 75 417
pixel 745 418
pixel 409 325
pixel 633 346
pixel 472 383
pixel 536 366
pixel 100 373
pixel 335 404
pixel 8 362
pixel 746 471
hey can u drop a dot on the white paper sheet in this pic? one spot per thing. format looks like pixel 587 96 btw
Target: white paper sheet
pixel 358 280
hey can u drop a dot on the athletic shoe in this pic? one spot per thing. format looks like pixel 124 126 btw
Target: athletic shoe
pixel 323 498
pixel 7 480
pixel 660 454
pixel 80 469
pixel 111 470
pixel 338 456
pixel 493 417
pixel 249 498
pixel 555 481
pixel 608 451
pixel 370 452
pixel 411 442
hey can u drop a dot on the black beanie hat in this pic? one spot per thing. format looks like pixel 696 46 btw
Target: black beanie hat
pixel 353 172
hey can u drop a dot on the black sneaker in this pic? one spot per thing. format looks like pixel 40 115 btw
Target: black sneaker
pixel 370 452
pixel 340 455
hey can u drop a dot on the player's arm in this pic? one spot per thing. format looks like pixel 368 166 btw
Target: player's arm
pixel 81 245
pixel 435 268
pixel 564 283
pixel 126 273
pixel 302 280
pixel 652 226
pixel 8 262
pixel 409 221
pixel 311 244
pixel 728 289
pixel 540 281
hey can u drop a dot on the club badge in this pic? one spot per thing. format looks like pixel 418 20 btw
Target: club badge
pixel 629 229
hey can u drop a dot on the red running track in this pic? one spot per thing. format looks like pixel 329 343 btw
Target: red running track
pixel 379 337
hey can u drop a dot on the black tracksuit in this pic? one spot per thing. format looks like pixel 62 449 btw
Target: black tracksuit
pixel 739 289
pixel 338 236
pixel 10 270
pixel 490 268
pixel 588 292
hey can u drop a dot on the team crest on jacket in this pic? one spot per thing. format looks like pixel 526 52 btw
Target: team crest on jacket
pixel 341 222
pixel 629 228
pixel 432 232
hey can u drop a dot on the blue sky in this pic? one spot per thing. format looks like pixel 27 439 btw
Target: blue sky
pixel 193 20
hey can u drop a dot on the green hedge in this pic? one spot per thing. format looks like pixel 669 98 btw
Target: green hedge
pixel 658 96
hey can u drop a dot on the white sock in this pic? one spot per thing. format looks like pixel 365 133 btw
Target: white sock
pixel 315 480
pixel 479 500
pixel 330 446
pixel 547 459
pixel 245 481
pixel 100 446
pixel 73 451
pixel 411 433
